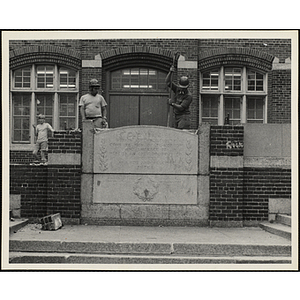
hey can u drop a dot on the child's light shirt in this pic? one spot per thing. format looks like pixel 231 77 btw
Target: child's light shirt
pixel 42 132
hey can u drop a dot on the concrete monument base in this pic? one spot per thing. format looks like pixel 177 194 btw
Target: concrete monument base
pixel 145 175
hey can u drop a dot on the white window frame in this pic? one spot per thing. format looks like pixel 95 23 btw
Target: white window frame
pixel 221 93
pixel 33 90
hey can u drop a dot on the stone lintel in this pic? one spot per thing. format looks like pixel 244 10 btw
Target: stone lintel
pixel 187 64
pixel 91 63
pixel 226 162
pixel 280 66
pixel 64 159
pixel 267 162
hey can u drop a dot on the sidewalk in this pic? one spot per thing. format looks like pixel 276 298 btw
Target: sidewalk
pixel 140 234
pixel 136 245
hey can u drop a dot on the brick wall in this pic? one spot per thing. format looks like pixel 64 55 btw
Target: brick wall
pixel 280 48
pixel 279 100
pixel 260 185
pixel 226 140
pixel 240 195
pixel 226 178
pixel 278 89
pixel 186 47
pixel 65 142
pixel 21 157
pixel 31 183
pixel 46 190
pixel 226 195
pixel 49 189
pixel 63 191
pixel 67 44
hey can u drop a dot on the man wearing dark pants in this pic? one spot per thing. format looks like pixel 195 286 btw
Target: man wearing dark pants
pixel 181 101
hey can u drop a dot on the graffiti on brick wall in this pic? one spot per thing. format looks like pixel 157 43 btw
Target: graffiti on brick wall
pixel 234 145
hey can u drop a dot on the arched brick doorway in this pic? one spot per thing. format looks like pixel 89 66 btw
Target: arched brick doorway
pixel 135 88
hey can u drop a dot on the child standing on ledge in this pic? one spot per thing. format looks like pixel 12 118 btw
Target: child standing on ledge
pixel 41 135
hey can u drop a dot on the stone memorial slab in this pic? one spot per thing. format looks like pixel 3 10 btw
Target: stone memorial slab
pixel 145 189
pixel 145 150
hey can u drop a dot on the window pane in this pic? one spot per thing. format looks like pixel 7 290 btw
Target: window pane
pixel 251 85
pixel 206 82
pixel 25 135
pixel 67 111
pixel 21 104
pixel 236 103
pixel 67 78
pixel 17 135
pixel 260 85
pixel 45 75
pixel 251 104
pixel 44 106
pixel 255 110
pixel 259 114
pixel 21 117
pixel 214 112
pixel 210 80
pixel 26 123
pixel 210 109
pixel 22 78
pixel 251 114
pixel 233 79
pixel 138 78
pixel 228 104
pixel 236 114
pixel 161 86
pixel 232 108
pixel 63 109
pixel 255 81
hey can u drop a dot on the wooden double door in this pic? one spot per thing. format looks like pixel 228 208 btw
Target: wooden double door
pixel 140 109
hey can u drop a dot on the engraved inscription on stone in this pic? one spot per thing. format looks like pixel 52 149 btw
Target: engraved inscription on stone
pixel 145 189
pixel 145 150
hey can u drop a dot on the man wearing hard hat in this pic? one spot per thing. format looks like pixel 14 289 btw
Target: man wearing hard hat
pixel 93 105
pixel 181 101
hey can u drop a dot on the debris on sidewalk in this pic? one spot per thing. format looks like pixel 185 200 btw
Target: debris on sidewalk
pixel 51 222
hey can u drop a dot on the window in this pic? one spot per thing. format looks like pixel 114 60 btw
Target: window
pixel 233 79
pixel 67 78
pixel 44 106
pixel 237 92
pixel 21 117
pixel 210 109
pixel 51 90
pixel 137 96
pixel 45 76
pixel 138 78
pixel 233 110
pixel 211 80
pixel 255 81
pixel 22 78
pixel 67 109
pixel 255 110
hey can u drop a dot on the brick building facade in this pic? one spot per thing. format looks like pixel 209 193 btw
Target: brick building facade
pixel 248 80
